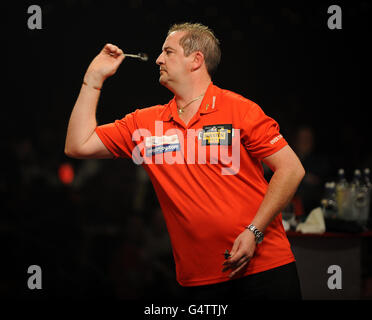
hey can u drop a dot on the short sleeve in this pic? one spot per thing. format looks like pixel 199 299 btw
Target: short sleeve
pixel 117 136
pixel 260 134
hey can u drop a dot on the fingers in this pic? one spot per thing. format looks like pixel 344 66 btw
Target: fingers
pixel 236 257
pixel 235 247
pixel 231 262
pixel 236 266
pixel 113 50
pixel 241 253
pixel 236 253
pixel 242 263
pixel 236 261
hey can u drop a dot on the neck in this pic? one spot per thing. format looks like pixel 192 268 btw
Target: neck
pixel 188 92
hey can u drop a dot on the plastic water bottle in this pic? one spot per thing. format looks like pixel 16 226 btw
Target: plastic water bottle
pixel 342 195
pixel 359 199
pixel 329 204
pixel 367 180
pixel 366 189
pixel 357 179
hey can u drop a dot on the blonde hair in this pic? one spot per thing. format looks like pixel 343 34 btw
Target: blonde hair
pixel 199 38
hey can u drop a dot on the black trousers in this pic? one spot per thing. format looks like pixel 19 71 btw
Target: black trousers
pixel 281 283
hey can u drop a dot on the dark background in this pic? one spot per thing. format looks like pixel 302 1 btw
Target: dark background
pixel 101 235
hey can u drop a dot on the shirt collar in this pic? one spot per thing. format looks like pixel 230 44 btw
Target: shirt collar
pixel 209 104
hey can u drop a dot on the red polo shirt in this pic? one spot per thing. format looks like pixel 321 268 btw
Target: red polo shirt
pixel 208 178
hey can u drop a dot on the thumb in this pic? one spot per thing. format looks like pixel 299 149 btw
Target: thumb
pixel 121 57
pixel 235 247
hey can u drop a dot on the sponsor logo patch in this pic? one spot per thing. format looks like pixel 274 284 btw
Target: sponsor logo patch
pixel 216 134
pixel 161 144
pixel 276 139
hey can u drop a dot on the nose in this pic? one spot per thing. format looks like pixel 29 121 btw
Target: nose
pixel 159 61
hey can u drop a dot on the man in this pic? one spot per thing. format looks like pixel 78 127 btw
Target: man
pixel 224 221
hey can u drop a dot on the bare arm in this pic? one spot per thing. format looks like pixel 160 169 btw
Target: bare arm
pixel 81 139
pixel 288 173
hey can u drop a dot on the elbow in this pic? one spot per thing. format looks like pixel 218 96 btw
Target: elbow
pixel 296 171
pixel 71 153
pixel 300 172
pixel 77 153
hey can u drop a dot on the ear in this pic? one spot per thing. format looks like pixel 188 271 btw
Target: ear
pixel 197 60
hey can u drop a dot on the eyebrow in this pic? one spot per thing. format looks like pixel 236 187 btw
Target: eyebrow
pixel 168 47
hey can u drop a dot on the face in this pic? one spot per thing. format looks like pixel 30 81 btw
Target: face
pixel 174 66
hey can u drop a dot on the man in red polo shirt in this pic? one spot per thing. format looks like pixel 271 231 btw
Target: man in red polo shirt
pixel 203 152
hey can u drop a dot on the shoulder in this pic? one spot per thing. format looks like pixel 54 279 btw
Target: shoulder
pixel 237 101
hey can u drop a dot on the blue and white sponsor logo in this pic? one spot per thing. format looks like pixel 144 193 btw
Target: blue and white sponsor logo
pixel 161 149
pixel 161 144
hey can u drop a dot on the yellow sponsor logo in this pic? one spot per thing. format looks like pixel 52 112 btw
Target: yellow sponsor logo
pixel 214 137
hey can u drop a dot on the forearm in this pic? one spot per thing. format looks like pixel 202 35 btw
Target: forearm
pixel 288 173
pixel 281 189
pixel 83 121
